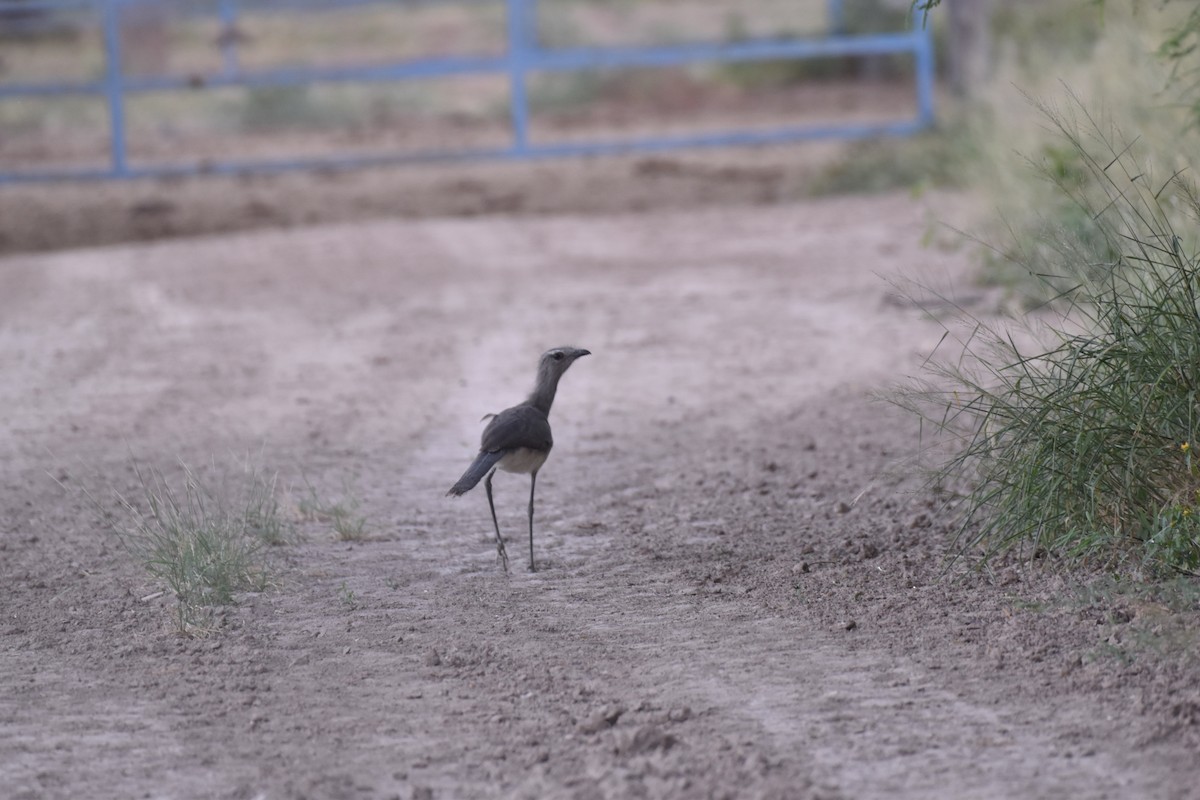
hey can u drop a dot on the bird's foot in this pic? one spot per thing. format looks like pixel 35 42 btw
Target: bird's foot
pixel 503 555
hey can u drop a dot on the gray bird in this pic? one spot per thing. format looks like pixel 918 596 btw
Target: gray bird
pixel 518 439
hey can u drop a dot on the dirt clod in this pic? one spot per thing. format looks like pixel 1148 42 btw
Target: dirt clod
pixel 601 718
pixel 645 739
pixel 681 714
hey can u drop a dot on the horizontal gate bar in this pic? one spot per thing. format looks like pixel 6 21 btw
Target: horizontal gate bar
pixel 566 60
pixel 552 150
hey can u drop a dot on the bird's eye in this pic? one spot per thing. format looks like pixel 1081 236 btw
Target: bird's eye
pixel 558 356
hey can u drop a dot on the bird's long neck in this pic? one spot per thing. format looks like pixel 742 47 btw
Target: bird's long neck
pixel 542 396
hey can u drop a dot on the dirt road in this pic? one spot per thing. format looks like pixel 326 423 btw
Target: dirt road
pixel 740 593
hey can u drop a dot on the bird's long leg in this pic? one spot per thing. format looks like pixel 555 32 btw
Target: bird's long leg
pixel 487 484
pixel 532 484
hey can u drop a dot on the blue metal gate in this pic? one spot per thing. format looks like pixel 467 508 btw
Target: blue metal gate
pixel 524 56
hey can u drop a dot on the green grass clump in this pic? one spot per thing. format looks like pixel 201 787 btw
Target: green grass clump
pixel 1078 436
pixel 343 514
pixel 348 597
pixel 204 544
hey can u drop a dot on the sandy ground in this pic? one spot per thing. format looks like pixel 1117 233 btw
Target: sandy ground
pixel 741 595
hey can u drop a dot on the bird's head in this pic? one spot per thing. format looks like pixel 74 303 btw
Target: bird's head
pixel 556 360
pixel 554 363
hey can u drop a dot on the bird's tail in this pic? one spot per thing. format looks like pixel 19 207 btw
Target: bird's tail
pixel 475 473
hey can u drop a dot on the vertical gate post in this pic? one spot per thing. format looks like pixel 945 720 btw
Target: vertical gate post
pixel 836 15
pixel 522 36
pixel 227 9
pixel 923 65
pixel 114 84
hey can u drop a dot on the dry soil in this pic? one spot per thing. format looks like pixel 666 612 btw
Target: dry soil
pixel 741 591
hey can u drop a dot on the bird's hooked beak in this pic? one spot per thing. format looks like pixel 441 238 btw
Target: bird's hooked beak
pixel 580 353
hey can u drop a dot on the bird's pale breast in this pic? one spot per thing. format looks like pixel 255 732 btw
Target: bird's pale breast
pixel 523 459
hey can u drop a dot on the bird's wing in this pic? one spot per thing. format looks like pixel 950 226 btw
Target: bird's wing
pixel 519 426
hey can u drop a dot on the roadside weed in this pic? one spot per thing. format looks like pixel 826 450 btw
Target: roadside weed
pixel 348 597
pixel 204 542
pixel 1074 431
